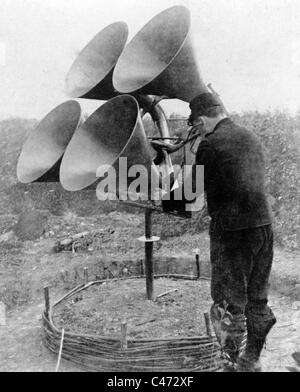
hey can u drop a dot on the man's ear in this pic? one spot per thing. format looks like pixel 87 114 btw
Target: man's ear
pixel 197 120
pixel 204 120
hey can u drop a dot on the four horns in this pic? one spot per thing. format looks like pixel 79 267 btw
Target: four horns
pixel 90 76
pixel 158 61
pixel 113 131
pixel 43 150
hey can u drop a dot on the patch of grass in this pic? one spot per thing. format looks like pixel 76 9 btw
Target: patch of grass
pixel 16 292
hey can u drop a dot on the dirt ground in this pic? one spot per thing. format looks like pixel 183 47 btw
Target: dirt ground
pixel 25 267
pixel 176 310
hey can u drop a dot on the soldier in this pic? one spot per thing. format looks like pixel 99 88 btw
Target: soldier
pixel 241 237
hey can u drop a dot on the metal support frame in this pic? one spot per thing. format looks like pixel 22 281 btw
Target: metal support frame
pixel 148 239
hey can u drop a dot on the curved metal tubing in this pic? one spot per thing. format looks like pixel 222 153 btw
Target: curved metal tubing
pixel 160 59
pixel 114 130
pixel 90 76
pixel 42 152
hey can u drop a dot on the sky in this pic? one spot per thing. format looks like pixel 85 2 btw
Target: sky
pixel 248 49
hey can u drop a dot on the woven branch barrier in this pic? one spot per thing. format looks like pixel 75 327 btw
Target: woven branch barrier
pixel 107 354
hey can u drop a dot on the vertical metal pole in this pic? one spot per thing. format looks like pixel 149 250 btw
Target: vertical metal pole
pixel 149 254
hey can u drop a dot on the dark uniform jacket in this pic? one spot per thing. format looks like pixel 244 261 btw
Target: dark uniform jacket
pixel 233 162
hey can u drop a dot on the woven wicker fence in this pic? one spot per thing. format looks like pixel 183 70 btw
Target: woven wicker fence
pixel 101 353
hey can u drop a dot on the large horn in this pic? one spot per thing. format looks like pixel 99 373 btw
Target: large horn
pixel 90 76
pixel 113 131
pixel 160 59
pixel 42 152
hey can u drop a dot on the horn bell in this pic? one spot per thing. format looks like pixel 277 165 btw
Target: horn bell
pixel 90 76
pixel 42 152
pixel 114 130
pixel 160 59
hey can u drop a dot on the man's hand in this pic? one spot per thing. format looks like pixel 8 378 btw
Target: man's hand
pixel 168 147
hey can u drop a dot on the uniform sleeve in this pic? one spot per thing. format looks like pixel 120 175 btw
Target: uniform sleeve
pixel 206 156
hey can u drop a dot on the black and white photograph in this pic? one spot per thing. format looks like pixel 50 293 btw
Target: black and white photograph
pixel 150 189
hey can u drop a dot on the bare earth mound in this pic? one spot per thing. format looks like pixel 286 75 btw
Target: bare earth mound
pixel 101 309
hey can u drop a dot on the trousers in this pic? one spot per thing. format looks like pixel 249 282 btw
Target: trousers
pixel 241 263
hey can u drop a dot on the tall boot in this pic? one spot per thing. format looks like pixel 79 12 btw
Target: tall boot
pixel 249 360
pixel 259 325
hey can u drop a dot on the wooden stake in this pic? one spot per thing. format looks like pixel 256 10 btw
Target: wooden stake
pixel 198 266
pixel 124 335
pixel 86 275
pixel 47 300
pixel 208 326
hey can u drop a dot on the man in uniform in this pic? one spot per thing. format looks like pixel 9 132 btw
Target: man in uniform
pixel 241 237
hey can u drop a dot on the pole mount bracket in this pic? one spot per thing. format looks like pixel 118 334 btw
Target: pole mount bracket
pixel 150 239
